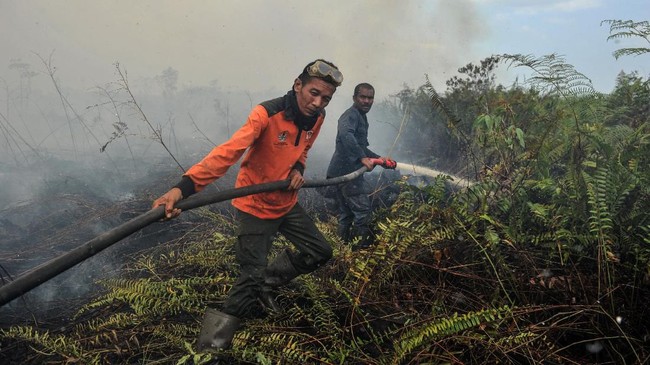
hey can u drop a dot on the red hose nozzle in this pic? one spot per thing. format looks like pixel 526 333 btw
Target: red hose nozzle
pixel 386 163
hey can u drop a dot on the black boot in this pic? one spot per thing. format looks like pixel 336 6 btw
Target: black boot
pixel 281 271
pixel 267 300
pixel 217 330
pixel 343 232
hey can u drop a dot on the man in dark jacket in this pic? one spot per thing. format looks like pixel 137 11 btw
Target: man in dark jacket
pixel 351 153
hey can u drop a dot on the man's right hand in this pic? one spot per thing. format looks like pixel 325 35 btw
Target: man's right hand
pixel 367 162
pixel 168 200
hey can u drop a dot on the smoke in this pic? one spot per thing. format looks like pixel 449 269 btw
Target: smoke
pixel 257 45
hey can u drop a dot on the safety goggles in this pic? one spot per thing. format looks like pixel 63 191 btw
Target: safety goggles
pixel 322 69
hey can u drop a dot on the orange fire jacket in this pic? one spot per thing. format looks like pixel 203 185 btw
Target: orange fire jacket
pixel 275 144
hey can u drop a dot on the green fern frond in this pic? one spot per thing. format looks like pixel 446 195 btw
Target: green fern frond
pixel 113 321
pixel 437 102
pixel 193 358
pixel 423 334
pixel 363 267
pixel 523 339
pixel 208 255
pixel 171 296
pixel 273 347
pixel 551 74
pixel 322 313
pixel 63 347
pixel 600 220
pixel 175 334
pixel 635 51
pixel 625 29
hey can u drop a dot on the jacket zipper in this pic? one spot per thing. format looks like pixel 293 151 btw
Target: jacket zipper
pixel 298 137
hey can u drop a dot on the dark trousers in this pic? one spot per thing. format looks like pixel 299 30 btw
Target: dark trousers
pixel 254 241
pixel 355 211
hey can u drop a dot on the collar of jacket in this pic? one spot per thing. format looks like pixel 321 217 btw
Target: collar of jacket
pixel 292 112
pixel 359 111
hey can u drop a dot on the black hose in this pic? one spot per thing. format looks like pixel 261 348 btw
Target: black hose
pixel 54 267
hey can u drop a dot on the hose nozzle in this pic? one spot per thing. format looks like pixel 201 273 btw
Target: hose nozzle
pixel 386 163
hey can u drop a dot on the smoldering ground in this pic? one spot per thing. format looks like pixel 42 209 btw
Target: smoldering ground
pixel 58 197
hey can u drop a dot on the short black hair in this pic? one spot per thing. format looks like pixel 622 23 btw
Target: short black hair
pixel 305 77
pixel 363 85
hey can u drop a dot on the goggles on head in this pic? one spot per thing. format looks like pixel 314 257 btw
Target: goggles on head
pixel 323 70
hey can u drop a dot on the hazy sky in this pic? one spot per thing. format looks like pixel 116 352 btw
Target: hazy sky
pixel 262 44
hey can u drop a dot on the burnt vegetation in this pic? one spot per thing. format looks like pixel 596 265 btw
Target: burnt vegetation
pixel 545 259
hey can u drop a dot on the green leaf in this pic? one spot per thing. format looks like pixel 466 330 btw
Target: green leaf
pixel 520 137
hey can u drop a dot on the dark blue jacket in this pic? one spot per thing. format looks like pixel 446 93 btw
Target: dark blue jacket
pixel 351 143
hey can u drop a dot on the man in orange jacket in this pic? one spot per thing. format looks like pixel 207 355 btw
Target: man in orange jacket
pixel 275 139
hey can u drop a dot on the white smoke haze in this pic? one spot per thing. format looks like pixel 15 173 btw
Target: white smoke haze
pixel 215 60
pixel 256 45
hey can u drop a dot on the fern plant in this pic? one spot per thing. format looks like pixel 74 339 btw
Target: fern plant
pixel 424 335
pixel 60 347
pixel 626 29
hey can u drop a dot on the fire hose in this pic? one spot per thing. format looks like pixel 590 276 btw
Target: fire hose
pixel 56 266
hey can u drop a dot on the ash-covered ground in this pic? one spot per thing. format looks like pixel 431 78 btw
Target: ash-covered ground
pixel 54 206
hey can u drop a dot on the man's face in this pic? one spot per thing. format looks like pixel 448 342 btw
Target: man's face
pixel 364 99
pixel 313 96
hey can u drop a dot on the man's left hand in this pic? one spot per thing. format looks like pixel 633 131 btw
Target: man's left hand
pixel 296 180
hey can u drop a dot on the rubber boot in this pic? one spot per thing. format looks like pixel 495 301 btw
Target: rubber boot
pixel 267 300
pixel 280 272
pixel 343 232
pixel 217 330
